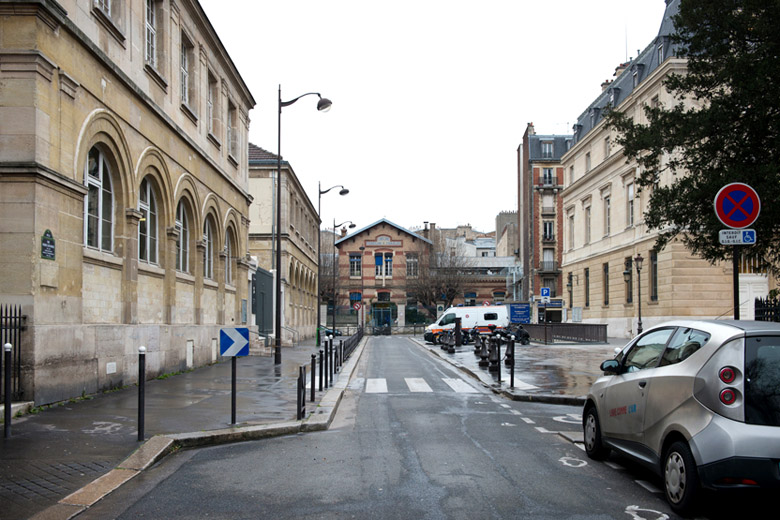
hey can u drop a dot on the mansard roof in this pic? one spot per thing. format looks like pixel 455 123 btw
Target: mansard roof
pixel 642 66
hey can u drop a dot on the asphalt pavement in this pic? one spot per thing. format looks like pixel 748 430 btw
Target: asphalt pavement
pixel 66 457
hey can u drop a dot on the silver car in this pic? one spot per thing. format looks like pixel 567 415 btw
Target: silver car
pixel 698 402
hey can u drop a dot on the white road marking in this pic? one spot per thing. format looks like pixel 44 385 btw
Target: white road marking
pixel 572 462
pixel 653 515
pixel 528 421
pixel 417 384
pixel 504 405
pixel 543 430
pixel 460 386
pixel 376 386
pixel 614 465
pixel 515 412
pixel 524 386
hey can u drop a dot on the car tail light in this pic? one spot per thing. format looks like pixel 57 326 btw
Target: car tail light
pixel 728 396
pixel 727 375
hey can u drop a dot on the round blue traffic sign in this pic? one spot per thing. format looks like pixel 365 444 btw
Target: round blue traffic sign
pixel 737 205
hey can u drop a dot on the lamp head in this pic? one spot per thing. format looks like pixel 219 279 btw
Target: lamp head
pixel 343 191
pixel 638 261
pixel 324 104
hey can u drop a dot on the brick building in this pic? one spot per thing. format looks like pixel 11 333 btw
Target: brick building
pixel 540 215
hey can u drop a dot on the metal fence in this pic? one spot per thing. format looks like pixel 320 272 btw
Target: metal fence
pixel 767 309
pixel 12 324
pixel 575 332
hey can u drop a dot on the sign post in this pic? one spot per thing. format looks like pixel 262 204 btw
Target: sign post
pixel 737 206
pixel 233 342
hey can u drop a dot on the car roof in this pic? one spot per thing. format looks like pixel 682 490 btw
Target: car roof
pixel 747 326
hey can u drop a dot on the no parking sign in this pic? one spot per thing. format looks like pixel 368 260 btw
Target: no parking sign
pixel 737 205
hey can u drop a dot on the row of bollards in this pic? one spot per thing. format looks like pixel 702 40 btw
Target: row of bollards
pixel 488 349
pixel 331 361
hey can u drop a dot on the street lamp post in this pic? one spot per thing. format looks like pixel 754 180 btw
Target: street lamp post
pixel 362 291
pixel 321 192
pixel 335 269
pixel 638 262
pixel 323 105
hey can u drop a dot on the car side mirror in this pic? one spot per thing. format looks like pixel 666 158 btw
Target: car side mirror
pixel 610 367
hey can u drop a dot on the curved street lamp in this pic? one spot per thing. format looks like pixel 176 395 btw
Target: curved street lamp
pixel 323 105
pixel 320 193
pixel 335 268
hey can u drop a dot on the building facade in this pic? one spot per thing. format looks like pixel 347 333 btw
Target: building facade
pixel 298 239
pixel 604 228
pixel 540 183
pixel 123 189
pixel 376 265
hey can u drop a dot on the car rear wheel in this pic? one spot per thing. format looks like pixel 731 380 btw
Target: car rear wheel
pixel 592 430
pixel 681 481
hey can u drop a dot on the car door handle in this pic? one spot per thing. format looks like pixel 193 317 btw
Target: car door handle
pixel 642 384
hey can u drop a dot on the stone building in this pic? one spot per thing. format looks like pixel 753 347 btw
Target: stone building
pixel 123 150
pixel 604 229
pixel 298 239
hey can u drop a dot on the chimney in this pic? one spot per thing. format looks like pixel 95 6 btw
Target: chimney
pixel 344 231
pixel 605 84
pixel 530 129
pixel 620 68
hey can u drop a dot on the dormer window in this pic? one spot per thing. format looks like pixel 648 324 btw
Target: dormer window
pixel 594 116
pixel 547 149
pixel 636 73
pixel 614 93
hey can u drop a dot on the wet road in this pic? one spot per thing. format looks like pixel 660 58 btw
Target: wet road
pixel 413 438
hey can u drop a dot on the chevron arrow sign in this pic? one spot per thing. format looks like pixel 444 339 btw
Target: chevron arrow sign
pixel 234 342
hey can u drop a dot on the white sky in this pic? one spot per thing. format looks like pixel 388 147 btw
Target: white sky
pixel 430 97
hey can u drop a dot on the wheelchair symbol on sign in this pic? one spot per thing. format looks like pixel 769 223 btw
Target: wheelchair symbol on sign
pixel 748 236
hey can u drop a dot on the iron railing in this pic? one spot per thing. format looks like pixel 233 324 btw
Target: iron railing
pixel 572 332
pixel 12 324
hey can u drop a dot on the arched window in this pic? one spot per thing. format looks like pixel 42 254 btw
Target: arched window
pixel 147 228
pixel 183 242
pixel 208 252
pixel 99 204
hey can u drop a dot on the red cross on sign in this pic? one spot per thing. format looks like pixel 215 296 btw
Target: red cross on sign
pixel 737 205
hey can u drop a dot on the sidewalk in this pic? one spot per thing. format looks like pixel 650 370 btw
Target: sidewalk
pixel 59 450
pixel 559 373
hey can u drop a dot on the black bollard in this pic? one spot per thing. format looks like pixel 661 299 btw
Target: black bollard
pixel 313 371
pixel 483 353
pixel 301 392
pixel 321 369
pixel 458 333
pixel 141 390
pixel 512 366
pixel 327 355
pixel 7 385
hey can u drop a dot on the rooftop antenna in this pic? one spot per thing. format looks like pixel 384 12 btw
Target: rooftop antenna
pixel 625 27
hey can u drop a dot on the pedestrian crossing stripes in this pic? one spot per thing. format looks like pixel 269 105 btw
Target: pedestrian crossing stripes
pixel 418 385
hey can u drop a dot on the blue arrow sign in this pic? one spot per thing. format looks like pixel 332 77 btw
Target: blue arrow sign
pixel 234 342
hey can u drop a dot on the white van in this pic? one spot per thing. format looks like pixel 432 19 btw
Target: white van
pixel 476 317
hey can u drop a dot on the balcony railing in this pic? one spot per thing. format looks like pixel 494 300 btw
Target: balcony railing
pixel 547 266
pixel 548 238
pixel 548 210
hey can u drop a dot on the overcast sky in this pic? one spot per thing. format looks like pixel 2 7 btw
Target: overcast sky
pixel 430 97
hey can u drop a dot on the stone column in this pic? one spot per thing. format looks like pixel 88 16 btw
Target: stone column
pixel 220 276
pixel 197 296
pixel 169 292
pixel 129 251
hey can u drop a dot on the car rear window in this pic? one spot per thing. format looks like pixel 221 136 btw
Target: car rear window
pixel 762 380
pixel 491 316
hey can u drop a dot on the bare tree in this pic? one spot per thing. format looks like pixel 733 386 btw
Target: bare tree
pixel 442 277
